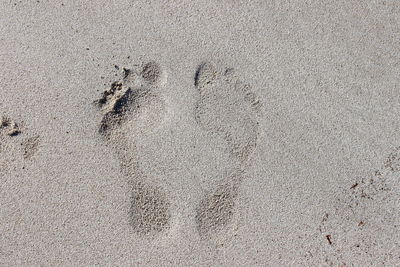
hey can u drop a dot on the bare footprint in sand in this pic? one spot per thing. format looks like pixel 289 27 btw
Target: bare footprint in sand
pixel 229 109
pixel 14 143
pixel 133 106
pixel 362 229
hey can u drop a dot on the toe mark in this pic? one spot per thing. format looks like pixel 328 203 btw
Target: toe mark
pixel 151 72
pixel 9 127
pixel 205 74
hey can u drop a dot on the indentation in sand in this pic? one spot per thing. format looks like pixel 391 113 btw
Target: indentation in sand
pixel 149 209
pixel 135 100
pixel 9 127
pixel 30 146
pixel 12 136
pixel 216 210
pixel 227 108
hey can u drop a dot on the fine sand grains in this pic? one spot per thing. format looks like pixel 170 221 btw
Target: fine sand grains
pixel 227 108
pixel 364 226
pixel 30 146
pixel 135 100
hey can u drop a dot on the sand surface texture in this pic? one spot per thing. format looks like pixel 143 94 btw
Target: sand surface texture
pixel 199 133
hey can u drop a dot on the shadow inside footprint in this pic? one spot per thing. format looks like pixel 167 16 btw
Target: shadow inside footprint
pixel 120 102
pixel 135 93
pixel 9 127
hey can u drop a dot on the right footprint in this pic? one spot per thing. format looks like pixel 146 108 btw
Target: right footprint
pixel 227 108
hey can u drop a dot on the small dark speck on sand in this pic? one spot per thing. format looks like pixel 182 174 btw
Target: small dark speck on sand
pixel 328 237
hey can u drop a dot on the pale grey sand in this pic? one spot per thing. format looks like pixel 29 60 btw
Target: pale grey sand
pixel 200 133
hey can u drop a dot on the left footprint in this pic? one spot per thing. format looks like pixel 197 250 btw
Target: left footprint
pixel 131 107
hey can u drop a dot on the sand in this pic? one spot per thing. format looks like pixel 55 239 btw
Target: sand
pixel 199 133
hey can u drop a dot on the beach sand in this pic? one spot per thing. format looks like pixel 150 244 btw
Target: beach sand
pixel 199 133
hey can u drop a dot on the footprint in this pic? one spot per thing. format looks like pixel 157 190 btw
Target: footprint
pixel 133 106
pixel 11 134
pixel 226 108
pixel 362 228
